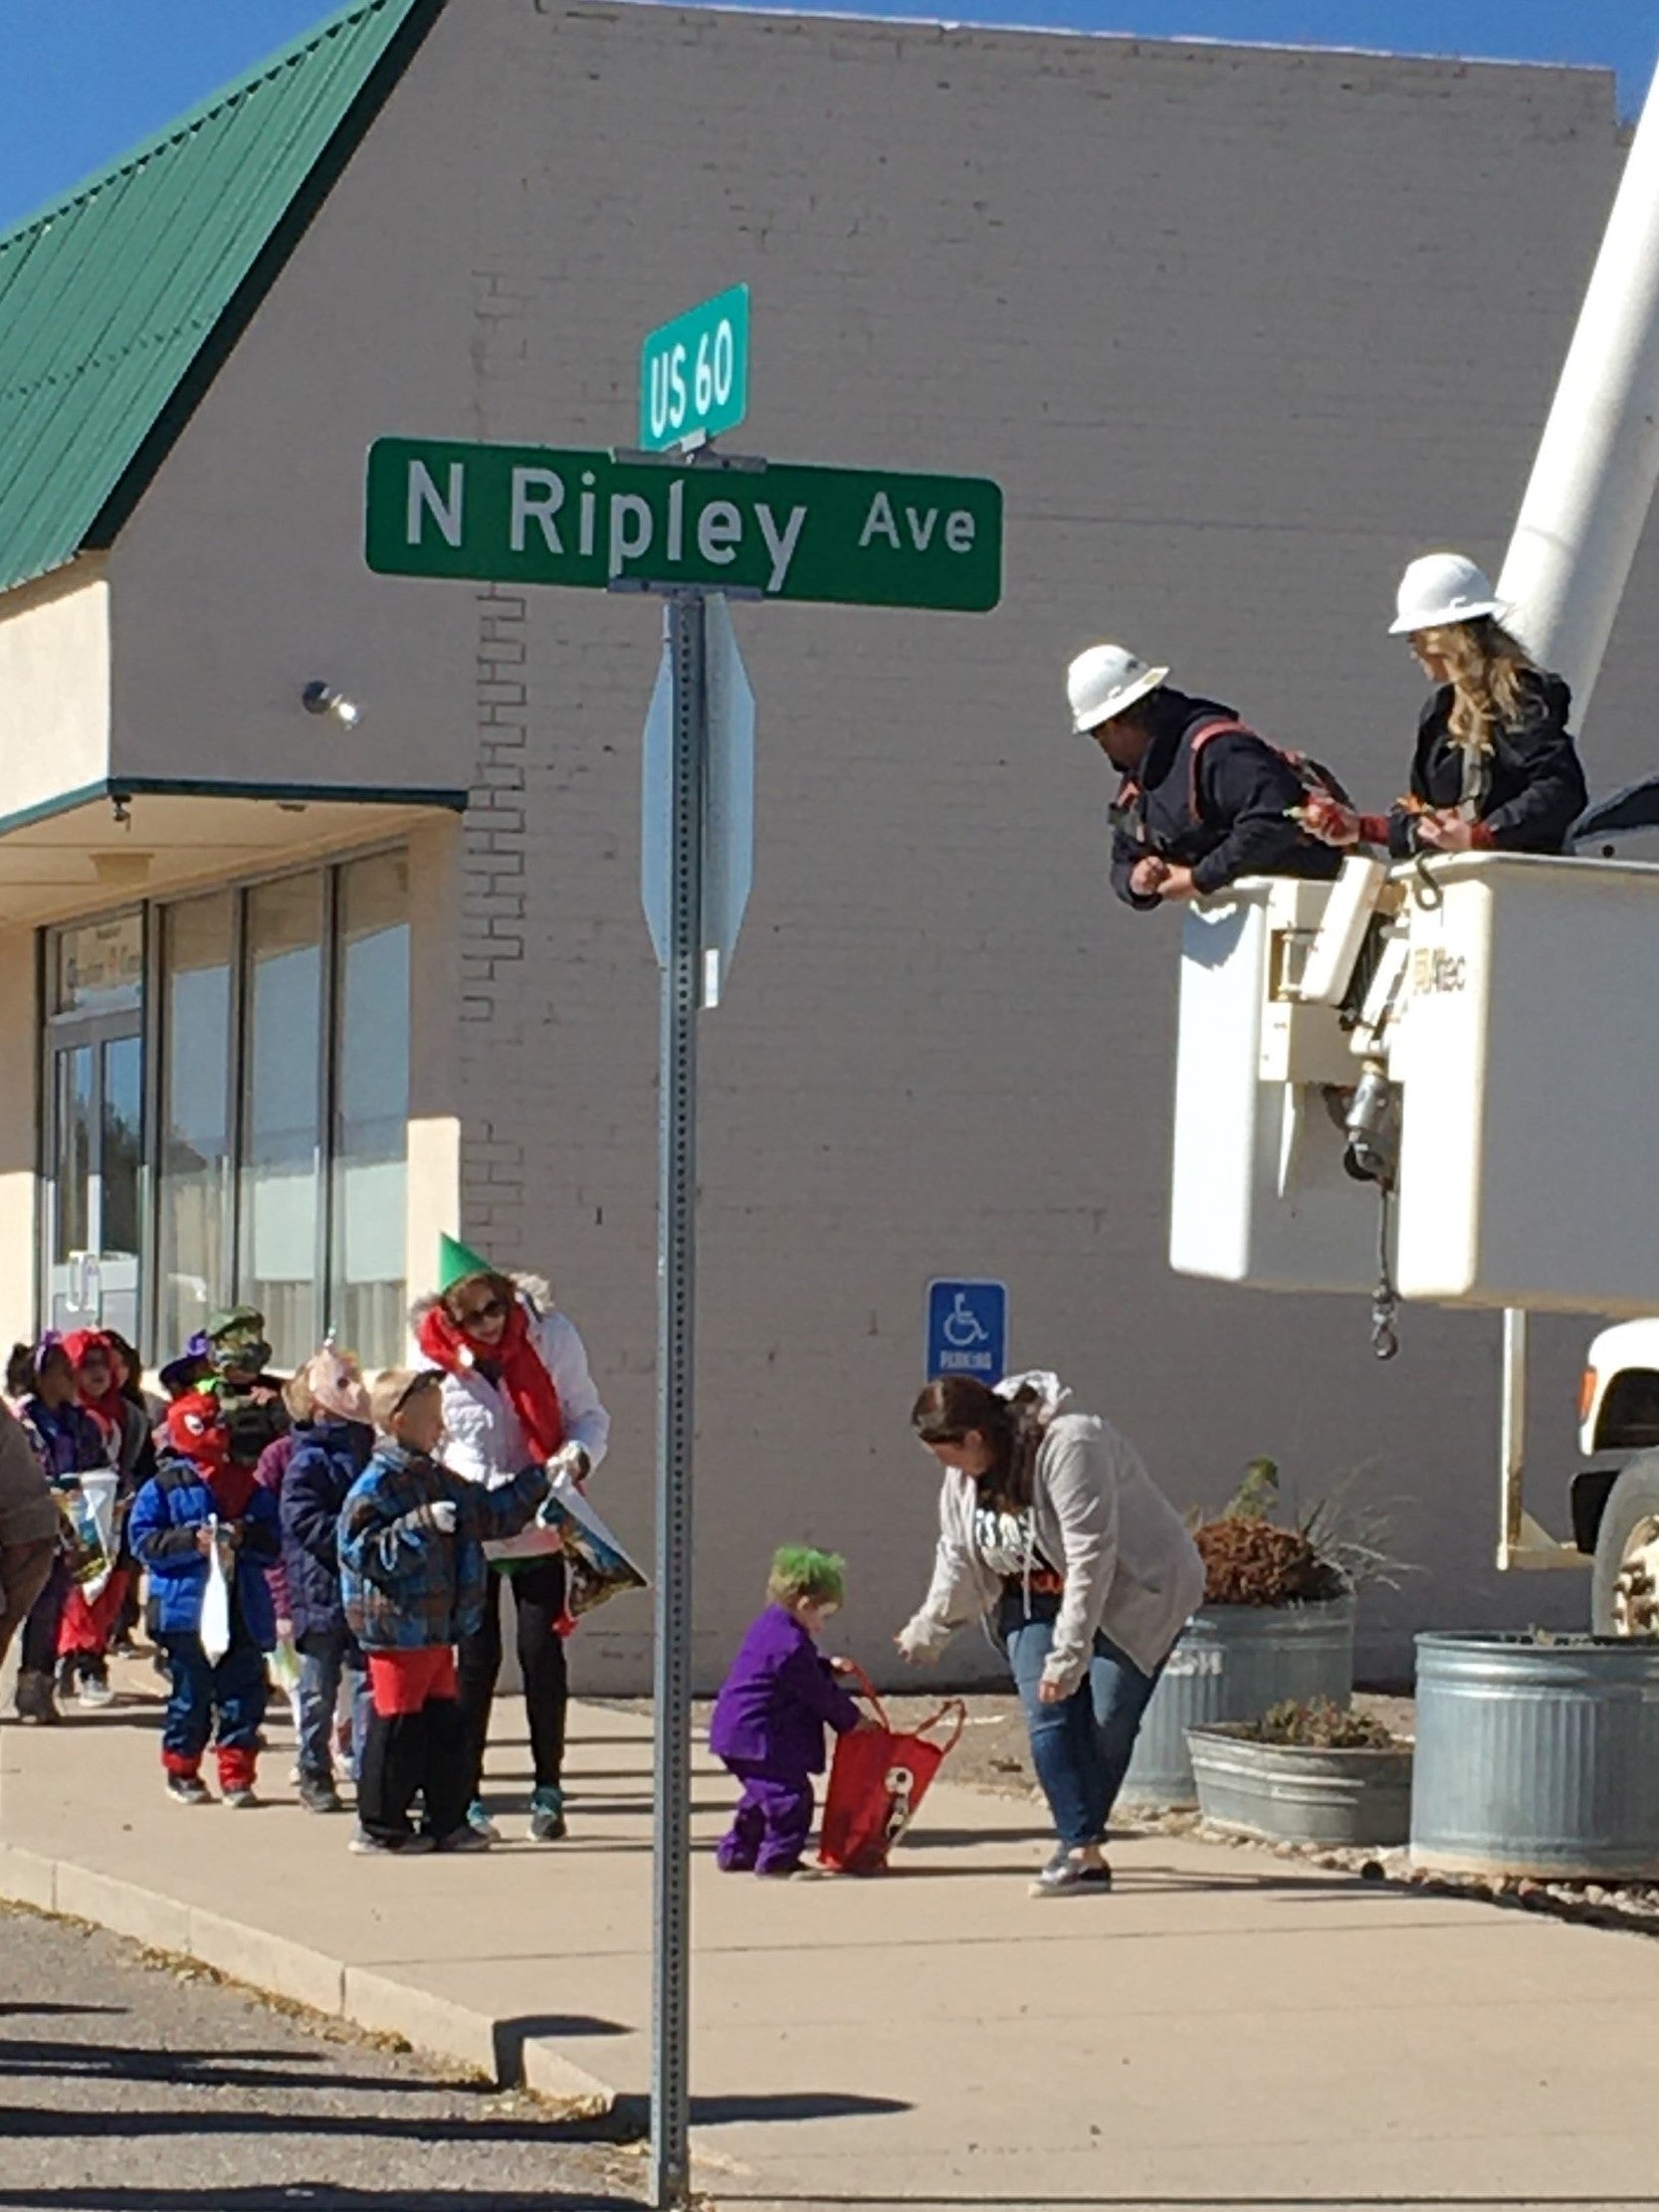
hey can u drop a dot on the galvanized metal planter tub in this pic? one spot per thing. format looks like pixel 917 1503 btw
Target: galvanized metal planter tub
pixel 1538 1756
pixel 1294 1793
pixel 1230 1664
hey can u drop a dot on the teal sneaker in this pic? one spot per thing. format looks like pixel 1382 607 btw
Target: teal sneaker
pixel 478 1821
pixel 547 1815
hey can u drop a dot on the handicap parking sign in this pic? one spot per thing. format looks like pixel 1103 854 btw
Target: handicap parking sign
pixel 967 1328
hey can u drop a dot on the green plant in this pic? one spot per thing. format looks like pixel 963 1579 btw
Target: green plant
pixel 1320 1725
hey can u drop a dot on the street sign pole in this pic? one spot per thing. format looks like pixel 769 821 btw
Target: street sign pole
pixel 681 991
pixel 692 529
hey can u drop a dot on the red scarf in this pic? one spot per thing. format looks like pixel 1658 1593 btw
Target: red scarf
pixel 525 1379
pixel 110 1411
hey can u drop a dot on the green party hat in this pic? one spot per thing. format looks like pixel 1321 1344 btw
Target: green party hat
pixel 457 1261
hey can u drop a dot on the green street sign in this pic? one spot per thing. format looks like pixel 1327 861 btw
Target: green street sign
pixel 532 514
pixel 694 373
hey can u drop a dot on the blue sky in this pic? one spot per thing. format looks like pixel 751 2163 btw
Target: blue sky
pixel 85 78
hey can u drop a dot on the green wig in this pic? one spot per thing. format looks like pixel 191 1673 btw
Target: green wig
pixel 800 1572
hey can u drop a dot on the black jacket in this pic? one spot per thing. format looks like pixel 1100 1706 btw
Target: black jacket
pixel 1241 825
pixel 1535 787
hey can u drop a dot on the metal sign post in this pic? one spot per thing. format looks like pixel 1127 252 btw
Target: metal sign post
pixel 699 529
pixel 681 991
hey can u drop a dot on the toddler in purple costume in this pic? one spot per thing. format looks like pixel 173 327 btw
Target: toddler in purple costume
pixel 770 1717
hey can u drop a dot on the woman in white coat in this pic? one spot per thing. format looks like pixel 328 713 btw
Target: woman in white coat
pixel 516 1391
pixel 1053 1533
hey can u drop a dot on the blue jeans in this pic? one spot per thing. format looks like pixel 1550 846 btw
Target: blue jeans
pixel 325 1655
pixel 1081 1749
pixel 231 1694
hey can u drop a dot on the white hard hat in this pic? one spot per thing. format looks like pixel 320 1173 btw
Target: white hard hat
pixel 1442 588
pixel 1104 681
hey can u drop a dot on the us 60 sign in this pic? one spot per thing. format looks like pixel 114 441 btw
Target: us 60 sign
pixel 694 373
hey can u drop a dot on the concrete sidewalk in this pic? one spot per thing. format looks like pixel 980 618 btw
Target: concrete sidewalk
pixel 1224 2030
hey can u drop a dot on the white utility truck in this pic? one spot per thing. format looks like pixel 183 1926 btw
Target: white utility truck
pixel 1406 1082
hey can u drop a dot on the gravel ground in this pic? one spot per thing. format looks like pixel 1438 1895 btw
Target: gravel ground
pixel 131 2085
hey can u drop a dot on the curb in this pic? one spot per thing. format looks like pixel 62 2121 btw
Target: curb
pixel 280 1967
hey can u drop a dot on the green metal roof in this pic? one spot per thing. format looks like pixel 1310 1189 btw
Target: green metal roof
pixel 118 304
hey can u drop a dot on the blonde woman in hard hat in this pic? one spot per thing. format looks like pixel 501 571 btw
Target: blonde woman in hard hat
pixel 1203 800
pixel 1495 768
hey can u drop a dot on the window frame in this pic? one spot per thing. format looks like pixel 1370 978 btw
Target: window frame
pixel 155 915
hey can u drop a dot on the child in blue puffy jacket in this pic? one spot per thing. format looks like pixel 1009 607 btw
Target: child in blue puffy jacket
pixel 173 1533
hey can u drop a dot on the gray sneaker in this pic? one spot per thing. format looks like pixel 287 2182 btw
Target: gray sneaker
pixel 319 1796
pixel 478 1821
pixel 1066 1877
pixel 390 1847
pixel 464 1837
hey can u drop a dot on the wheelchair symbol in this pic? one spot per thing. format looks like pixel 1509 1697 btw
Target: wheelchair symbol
pixel 962 1326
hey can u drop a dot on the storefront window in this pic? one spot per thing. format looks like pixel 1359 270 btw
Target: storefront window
pixel 198 941
pixel 123 1154
pixel 282 1101
pixel 100 966
pixel 74 1151
pixel 371 1105
pixel 275 1173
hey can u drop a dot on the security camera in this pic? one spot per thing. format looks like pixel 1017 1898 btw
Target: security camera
pixel 322 698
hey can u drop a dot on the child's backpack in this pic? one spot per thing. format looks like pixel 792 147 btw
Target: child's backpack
pixel 877 1782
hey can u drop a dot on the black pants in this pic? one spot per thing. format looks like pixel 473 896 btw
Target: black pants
pixel 410 1755
pixel 40 1631
pixel 538 1596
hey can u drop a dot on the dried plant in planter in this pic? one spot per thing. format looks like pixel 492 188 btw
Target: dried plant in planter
pixel 1251 1559
pixel 1252 1562
pixel 1320 1725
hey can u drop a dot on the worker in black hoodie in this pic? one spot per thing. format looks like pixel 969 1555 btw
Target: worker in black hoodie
pixel 1495 767
pixel 1204 799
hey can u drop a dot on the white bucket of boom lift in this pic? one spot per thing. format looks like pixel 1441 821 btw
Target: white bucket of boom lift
pixel 1510 999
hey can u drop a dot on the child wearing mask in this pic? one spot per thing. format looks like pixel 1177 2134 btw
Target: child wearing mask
pixel 413 1582
pixel 771 1714
pixel 200 1499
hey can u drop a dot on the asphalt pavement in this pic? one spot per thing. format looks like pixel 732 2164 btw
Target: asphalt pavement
pixel 127 2086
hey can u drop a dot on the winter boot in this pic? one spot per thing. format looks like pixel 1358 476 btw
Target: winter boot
pixel 35 1702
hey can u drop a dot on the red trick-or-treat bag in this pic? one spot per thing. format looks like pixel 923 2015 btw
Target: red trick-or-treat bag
pixel 877 1783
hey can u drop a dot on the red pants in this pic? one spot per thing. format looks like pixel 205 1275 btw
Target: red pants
pixel 415 1745
pixel 85 1627
pixel 402 1682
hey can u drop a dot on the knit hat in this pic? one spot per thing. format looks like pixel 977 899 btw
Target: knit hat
pixel 457 1262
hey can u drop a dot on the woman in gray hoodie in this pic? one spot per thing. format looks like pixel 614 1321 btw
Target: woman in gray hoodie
pixel 1053 1533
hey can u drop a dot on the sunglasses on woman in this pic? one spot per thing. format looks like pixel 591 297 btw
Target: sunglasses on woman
pixel 488 1311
